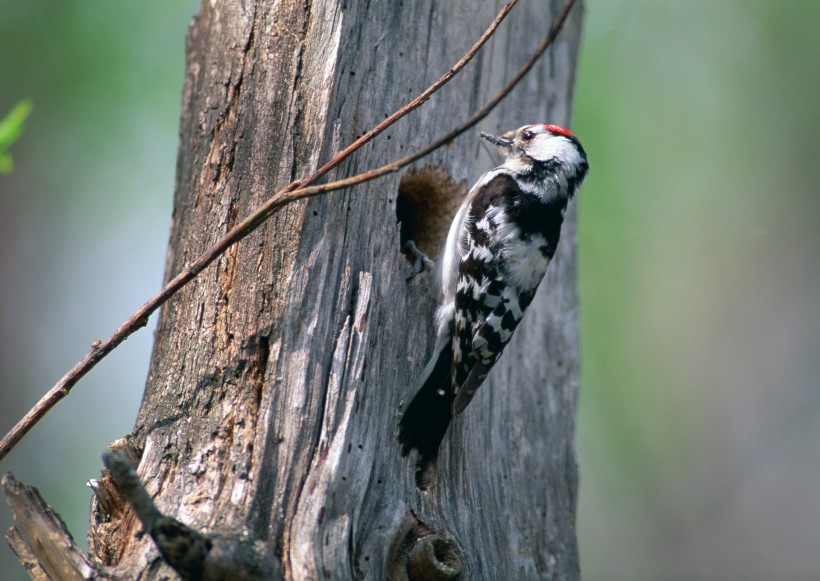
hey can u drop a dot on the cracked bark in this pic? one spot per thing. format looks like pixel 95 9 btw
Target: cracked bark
pixel 270 409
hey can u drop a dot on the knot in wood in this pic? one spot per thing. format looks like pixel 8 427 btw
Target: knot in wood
pixel 433 559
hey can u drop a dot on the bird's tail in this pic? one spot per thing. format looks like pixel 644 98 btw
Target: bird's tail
pixel 427 417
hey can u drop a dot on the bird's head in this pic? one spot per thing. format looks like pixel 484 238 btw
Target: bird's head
pixel 533 145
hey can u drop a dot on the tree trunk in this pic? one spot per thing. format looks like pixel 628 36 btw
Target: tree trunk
pixel 270 411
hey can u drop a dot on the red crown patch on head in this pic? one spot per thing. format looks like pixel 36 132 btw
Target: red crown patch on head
pixel 559 130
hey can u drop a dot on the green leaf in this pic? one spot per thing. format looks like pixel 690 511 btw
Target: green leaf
pixel 11 127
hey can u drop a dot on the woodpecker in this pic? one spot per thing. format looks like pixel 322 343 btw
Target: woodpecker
pixel 498 248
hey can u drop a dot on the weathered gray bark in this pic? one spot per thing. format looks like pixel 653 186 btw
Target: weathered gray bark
pixel 270 409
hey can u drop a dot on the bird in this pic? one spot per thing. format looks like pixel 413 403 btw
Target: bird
pixel 498 248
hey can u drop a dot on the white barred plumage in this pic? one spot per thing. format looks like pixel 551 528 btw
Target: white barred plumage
pixel 498 248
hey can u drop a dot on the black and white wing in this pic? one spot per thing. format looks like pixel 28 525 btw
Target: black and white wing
pixel 509 237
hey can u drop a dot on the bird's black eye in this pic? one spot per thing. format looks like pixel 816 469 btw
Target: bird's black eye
pixel 528 135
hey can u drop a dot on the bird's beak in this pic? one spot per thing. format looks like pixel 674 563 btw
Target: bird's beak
pixel 502 143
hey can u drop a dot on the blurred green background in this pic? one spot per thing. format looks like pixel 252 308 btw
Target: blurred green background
pixel 699 419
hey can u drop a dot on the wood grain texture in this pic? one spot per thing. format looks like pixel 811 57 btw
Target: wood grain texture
pixel 270 409
pixel 40 538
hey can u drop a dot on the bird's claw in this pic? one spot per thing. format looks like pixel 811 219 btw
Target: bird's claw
pixel 421 261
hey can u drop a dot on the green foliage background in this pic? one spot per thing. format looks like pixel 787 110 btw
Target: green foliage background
pixel 11 128
pixel 698 423
pixel 699 420
pixel 84 221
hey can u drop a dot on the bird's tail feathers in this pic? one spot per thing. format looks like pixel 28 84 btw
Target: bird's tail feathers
pixel 428 415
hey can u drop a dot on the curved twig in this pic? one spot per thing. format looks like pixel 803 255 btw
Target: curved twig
pixel 292 192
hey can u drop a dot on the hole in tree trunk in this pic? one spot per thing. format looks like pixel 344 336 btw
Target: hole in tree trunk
pixel 427 201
